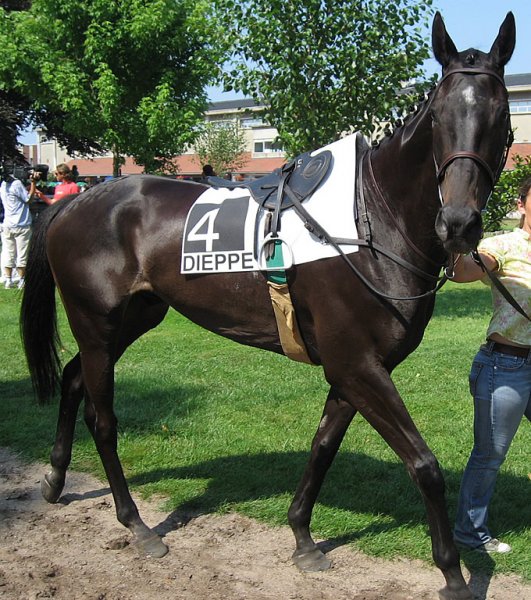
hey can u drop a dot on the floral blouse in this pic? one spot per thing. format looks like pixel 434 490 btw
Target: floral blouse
pixel 512 252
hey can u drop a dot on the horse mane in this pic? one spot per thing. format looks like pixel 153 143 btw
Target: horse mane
pixel 407 124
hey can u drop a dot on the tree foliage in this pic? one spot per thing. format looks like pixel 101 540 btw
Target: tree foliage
pixel 324 66
pixel 222 146
pixel 13 118
pixel 505 194
pixel 129 75
pixel 17 111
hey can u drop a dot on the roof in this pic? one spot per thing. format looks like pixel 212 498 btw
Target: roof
pixel 234 104
pixel 102 165
pixel 518 79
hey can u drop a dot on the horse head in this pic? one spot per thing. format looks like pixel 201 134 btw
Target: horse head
pixel 471 131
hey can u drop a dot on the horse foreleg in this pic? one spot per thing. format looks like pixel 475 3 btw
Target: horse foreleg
pixel 98 374
pixel 71 395
pixel 335 420
pixel 385 411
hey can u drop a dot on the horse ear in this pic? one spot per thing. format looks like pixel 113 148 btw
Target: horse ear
pixel 503 46
pixel 443 47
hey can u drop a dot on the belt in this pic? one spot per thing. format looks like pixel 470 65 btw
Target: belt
pixel 507 349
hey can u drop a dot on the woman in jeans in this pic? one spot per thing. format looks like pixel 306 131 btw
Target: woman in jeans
pixel 500 378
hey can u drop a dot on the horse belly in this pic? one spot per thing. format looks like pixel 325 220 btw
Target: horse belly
pixel 234 305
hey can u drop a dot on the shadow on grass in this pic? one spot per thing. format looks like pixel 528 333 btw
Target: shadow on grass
pixel 356 483
pixel 19 388
pixel 30 427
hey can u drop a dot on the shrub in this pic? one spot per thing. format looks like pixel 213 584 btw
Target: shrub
pixel 505 193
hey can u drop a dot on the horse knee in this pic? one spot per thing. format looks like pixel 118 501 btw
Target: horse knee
pixel 428 476
pixel 325 447
pixel 103 428
pixel 324 452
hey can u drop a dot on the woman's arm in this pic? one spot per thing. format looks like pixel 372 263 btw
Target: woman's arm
pixel 34 191
pixel 466 269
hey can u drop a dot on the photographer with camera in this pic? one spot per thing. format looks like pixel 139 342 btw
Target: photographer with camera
pixel 16 229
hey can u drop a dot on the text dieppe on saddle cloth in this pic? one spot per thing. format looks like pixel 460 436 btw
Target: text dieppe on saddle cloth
pixel 224 229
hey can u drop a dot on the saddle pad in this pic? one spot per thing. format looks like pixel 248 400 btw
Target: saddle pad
pixel 224 229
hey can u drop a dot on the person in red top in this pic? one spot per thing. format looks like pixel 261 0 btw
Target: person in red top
pixel 66 186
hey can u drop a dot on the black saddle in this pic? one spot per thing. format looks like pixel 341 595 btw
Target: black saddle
pixel 302 174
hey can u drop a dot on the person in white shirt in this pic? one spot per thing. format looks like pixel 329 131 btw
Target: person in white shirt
pixel 16 229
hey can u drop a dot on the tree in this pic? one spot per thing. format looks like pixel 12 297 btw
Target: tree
pixel 13 118
pixel 324 66
pixel 17 111
pixel 129 75
pixel 505 193
pixel 222 146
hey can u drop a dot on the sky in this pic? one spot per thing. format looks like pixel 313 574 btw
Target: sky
pixel 475 24
pixel 470 23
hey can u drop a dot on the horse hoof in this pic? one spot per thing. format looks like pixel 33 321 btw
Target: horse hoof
pixel 50 492
pixel 314 560
pixel 152 547
pixel 462 594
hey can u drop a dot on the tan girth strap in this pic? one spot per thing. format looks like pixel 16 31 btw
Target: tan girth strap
pixel 288 330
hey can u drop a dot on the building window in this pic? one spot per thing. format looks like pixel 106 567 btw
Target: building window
pixel 267 146
pixel 250 122
pixel 520 106
pixel 221 122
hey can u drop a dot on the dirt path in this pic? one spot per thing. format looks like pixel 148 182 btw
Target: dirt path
pixel 76 550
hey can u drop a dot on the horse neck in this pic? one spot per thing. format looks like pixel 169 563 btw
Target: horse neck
pixel 404 189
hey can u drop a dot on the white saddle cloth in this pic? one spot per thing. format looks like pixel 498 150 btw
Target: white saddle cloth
pixel 224 229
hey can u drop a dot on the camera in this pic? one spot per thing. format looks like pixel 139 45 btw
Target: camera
pixel 36 173
pixel 24 172
pixel 40 172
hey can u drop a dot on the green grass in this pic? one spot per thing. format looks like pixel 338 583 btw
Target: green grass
pixel 216 427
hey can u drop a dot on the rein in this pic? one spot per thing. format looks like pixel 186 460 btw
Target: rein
pixel 317 229
pixel 499 286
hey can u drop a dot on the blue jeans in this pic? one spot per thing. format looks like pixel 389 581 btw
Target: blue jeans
pixel 501 387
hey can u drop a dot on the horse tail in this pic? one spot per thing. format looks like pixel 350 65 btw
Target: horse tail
pixel 38 316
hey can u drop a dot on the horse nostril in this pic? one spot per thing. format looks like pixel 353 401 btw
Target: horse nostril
pixel 458 226
pixel 441 227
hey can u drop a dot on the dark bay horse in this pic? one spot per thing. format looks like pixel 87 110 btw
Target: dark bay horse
pixel 114 255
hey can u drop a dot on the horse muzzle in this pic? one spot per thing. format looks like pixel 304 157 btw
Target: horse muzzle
pixel 459 228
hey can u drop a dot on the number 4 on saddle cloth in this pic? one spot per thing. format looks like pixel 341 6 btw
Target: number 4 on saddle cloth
pixel 233 226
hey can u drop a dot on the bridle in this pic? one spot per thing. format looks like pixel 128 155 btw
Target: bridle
pixel 492 174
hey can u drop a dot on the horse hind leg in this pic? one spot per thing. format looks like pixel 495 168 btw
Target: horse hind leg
pixel 71 395
pixel 143 313
pixel 336 418
pixel 72 392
